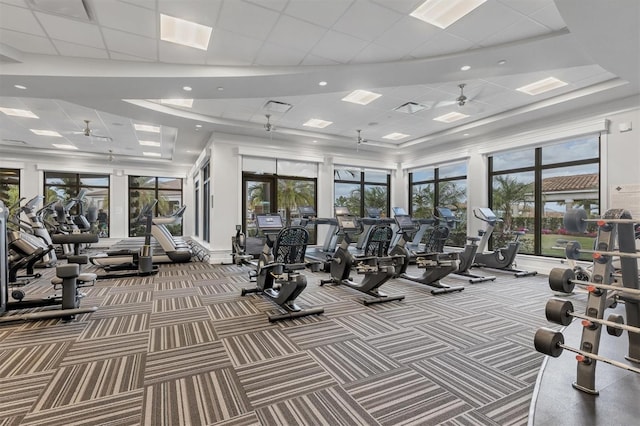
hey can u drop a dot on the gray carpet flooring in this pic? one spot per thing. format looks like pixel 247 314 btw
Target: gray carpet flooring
pixel 184 348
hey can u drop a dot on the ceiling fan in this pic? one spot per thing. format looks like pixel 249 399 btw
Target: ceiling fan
pixel 462 99
pixel 88 131
pixel 360 140
pixel 268 126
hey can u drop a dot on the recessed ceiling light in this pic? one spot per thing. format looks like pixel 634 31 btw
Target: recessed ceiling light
pixel 20 86
pixel 220 89
pixel 395 136
pixel 149 143
pixel 18 112
pixel 451 117
pixel 465 68
pixel 465 134
pixel 146 128
pixel 502 61
pixel 542 86
pixel 361 97
pixel 317 123
pixel 409 108
pixel 322 83
pixel 198 126
pixel 443 13
pixel 152 154
pixel 187 103
pixel 315 141
pixel 187 88
pixel 186 33
pixel 64 146
pixel 46 133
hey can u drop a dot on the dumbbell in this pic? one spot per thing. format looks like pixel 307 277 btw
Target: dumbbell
pixel 561 312
pixel 564 280
pixel 551 342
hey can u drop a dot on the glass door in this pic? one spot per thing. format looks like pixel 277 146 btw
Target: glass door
pixel 258 198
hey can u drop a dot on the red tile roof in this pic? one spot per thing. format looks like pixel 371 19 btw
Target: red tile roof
pixel 568 183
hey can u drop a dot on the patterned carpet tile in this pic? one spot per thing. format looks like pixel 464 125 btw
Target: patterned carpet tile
pixel 246 324
pixel 471 418
pixel 201 399
pixel 11 421
pixel 121 310
pixel 176 303
pixel 78 383
pixel 175 293
pixel 454 334
pixel 248 419
pixel 142 283
pixel 116 410
pixel 208 289
pixel 344 307
pixel 475 383
pixel 122 298
pixel 115 325
pixel 367 325
pixel 258 346
pixel 489 324
pixel 283 378
pixel 173 285
pixel 106 347
pixel 408 346
pixel 19 393
pixel 409 316
pixel 513 409
pixel 31 359
pixel 445 305
pixel 520 362
pixel 134 286
pixel 239 308
pixel 173 273
pixel 332 406
pixel 164 319
pixel 180 335
pixel 43 332
pixel 174 363
pixel 352 360
pixel 404 397
pixel 319 334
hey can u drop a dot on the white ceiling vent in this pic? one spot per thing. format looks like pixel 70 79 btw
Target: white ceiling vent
pixel 76 9
pixel 277 106
pixel 410 108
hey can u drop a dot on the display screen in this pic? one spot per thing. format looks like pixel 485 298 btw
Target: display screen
pixel 342 210
pixel 306 211
pixel 268 221
pixel 347 222
pixel 399 211
pixel 404 221
pixel 373 212
pixel 487 213
pixel 445 212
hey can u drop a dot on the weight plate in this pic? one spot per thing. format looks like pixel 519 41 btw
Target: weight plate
pixel 574 221
pixel 615 331
pixel 560 280
pixel 548 342
pixel 559 311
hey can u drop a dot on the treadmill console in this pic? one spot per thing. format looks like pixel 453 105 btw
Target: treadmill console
pixel 341 211
pixel 487 213
pixel 347 223
pixel 307 212
pixel 445 213
pixel 405 222
pixel 267 222
pixel 373 212
pixel 399 211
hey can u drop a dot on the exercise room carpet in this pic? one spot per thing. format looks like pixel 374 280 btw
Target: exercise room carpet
pixel 184 348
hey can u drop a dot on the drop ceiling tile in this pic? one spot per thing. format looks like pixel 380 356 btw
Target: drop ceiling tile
pixel 277 5
pixel 27 43
pixel 70 30
pixel 19 19
pixel 227 48
pixel 338 47
pixel 130 44
pixel 320 12
pixel 296 34
pixel 550 17
pixel 366 21
pixel 199 11
pixel 149 4
pixel 408 33
pixel 21 3
pixel 375 53
pixel 405 7
pixel 441 44
pixel 247 19
pixel 124 57
pixel 484 21
pixel 76 50
pixel 272 54
pixel 522 29
pixel 316 60
pixel 177 54
pixel 526 7
pixel 126 17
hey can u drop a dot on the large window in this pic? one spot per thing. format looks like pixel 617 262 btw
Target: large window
pixel 360 190
pixel 531 190
pixel 143 190
pixel 205 174
pixel 95 188
pixel 196 197
pixel 10 188
pixel 444 186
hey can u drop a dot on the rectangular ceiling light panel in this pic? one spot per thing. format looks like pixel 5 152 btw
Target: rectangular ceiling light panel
pixel 64 146
pixel 46 133
pixel 317 123
pixel 542 86
pixel 146 128
pixel 395 136
pixel 361 97
pixel 186 33
pixel 152 154
pixel 443 13
pixel 149 143
pixel 18 112
pixel 451 117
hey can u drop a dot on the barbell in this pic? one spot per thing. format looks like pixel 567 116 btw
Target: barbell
pixel 551 342
pixel 575 220
pixel 573 249
pixel 561 312
pixel 564 280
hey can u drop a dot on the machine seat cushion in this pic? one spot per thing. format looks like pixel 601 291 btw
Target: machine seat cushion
pixel 85 277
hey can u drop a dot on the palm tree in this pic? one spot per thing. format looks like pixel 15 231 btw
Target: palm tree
pixel 507 193
pixel 423 200
pixel 376 197
pixel 294 193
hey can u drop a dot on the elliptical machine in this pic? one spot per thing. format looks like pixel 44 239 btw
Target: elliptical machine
pixel 375 264
pixel 445 215
pixel 502 258
pixel 277 275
